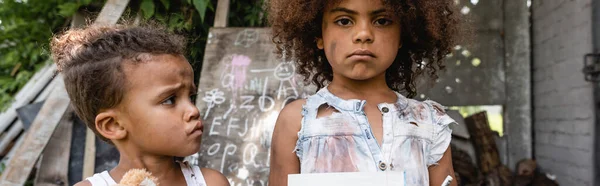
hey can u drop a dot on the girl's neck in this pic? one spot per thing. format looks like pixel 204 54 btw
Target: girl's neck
pixel 347 88
pixel 164 168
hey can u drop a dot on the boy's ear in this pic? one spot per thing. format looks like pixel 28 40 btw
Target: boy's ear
pixel 108 126
pixel 320 44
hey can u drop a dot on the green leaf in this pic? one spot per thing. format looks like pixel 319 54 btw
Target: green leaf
pixel 210 6
pixel 201 6
pixel 147 7
pixel 86 2
pixel 68 9
pixel 165 3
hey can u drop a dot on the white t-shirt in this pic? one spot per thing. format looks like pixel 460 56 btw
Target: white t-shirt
pixel 193 176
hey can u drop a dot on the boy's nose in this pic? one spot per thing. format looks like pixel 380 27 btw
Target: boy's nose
pixel 192 113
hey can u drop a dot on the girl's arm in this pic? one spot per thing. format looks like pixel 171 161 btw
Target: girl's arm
pixel 439 172
pixel 283 158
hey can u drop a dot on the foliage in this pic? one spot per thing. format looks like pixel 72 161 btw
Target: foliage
pixel 27 25
pixel 193 18
pixel 25 28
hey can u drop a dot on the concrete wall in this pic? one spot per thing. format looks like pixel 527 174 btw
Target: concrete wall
pixel 517 53
pixel 563 102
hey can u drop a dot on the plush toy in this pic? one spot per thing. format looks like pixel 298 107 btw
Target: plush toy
pixel 138 177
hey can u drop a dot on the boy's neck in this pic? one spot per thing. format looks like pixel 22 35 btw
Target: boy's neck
pixel 164 168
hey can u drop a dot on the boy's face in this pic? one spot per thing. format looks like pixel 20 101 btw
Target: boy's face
pixel 157 110
pixel 360 38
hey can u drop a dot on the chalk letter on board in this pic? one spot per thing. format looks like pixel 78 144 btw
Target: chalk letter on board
pixel 245 128
pixel 262 99
pixel 214 123
pixel 213 149
pixel 232 124
pixel 250 155
pixel 246 103
pixel 227 80
pixel 229 150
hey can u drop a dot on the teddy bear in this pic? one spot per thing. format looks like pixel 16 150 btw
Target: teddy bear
pixel 138 177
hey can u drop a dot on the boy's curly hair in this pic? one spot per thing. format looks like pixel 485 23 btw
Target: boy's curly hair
pixel 429 29
pixel 91 61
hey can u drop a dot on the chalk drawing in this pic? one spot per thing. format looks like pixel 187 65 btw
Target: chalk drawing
pixel 284 71
pixel 212 98
pixel 246 38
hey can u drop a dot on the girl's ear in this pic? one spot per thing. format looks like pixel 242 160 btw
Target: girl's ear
pixel 320 43
pixel 400 45
pixel 108 126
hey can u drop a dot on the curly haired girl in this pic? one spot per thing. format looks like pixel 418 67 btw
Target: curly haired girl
pixel 361 54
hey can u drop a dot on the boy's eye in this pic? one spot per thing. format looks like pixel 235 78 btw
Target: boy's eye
pixel 193 98
pixel 383 22
pixel 169 101
pixel 343 22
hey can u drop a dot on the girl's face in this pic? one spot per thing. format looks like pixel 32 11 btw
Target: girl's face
pixel 360 38
pixel 158 110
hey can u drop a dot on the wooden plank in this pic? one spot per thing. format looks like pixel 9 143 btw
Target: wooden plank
pixel 11 153
pixel 46 92
pixel 54 169
pixel 484 142
pixel 39 75
pixel 221 13
pixel 37 137
pixel 89 158
pixel 10 135
pixel 54 166
pixel 111 12
pixel 26 94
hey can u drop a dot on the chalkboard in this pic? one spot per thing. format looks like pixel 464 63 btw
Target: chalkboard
pixel 242 88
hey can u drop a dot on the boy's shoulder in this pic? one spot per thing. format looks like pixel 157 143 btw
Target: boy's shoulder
pixel 83 183
pixel 214 178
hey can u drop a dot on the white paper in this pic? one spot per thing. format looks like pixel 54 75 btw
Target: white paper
pixel 348 179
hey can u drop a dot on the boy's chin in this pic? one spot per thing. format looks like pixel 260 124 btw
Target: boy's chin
pixel 189 152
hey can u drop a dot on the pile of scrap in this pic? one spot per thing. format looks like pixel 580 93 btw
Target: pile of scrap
pixel 476 158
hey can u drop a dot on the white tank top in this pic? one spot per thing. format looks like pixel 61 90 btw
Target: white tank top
pixel 193 176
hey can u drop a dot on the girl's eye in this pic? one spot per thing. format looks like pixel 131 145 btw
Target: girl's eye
pixel 383 22
pixel 343 22
pixel 169 101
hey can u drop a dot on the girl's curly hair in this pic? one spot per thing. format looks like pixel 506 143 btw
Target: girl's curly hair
pixel 429 31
